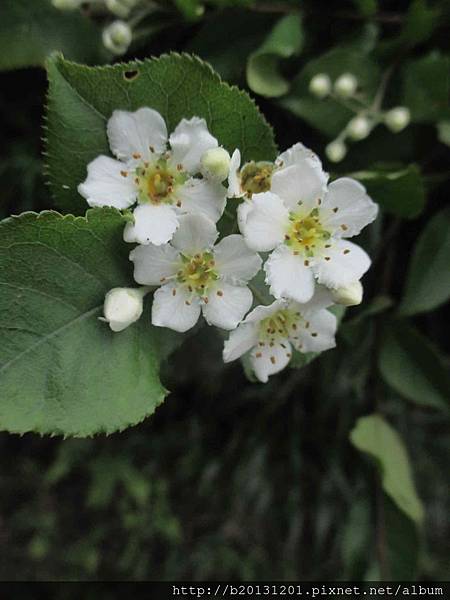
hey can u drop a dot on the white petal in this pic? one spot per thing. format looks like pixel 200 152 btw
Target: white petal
pixel 342 264
pixel 174 308
pixel 302 183
pixel 322 298
pixel 189 141
pixel 195 233
pixel 288 277
pixel 267 360
pixel 354 207
pixel 203 197
pixel 227 305
pixel 267 222
pixel 262 312
pixel 106 186
pixel 296 154
pixel 152 264
pixel 319 335
pixel 234 181
pixel 241 340
pixel 134 132
pixel 235 261
pixel 243 210
pixel 152 225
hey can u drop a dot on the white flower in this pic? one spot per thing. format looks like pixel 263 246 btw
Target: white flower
pixel 122 307
pixel 305 226
pixel 270 332
pixel 260 177
pixel 196 276
pixel 161 181
pixel 349 295
pixel 117 37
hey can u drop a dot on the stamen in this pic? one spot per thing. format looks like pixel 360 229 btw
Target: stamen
pixel 273 360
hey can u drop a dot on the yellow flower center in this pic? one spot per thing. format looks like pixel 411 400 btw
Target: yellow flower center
pixel 158 182
pixel 256 177
pixel 279 326
pixel 305 234
pixel 198 272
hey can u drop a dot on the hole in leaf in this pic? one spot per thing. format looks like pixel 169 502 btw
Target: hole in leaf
pixel 130 75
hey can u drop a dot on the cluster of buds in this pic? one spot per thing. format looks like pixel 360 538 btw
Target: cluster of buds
pixel 345 89
pixel 118 34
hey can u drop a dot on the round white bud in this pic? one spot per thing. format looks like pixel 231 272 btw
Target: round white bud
pixel 359 128
pixel 117 37
pixel 320 85
pixel 346 85
pixel 336 151
pixel 397 118
pixel 123 306
pixel 215 163
pixel 66 4
pixel 349 295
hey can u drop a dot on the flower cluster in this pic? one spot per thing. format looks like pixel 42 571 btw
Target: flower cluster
pixel 346 90
pixel 175 189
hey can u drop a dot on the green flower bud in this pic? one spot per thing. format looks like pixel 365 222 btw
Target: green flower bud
pixel 346 85
pixel 349 295
pixel 117 37
pixel 123 306
pixel 336 151
pixel 359 128
pixel 216 163
pixel 67 4
pixel 397 118
pixel 320 85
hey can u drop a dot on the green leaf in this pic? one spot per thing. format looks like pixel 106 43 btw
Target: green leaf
pixel 427 282
pixel 374 436
pixel 62 371
pixel 411 365
pixel 443 128
pixel 30 31
pixel 226 38
pixel 285 40
pixel 403 543
pixel 426 88
pixel 81 100
pixel 400 192
pixel 327 115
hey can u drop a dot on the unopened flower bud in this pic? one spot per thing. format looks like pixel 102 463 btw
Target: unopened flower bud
pixel 346 85
pixel 121 8
pixel 397 118
pixel 349 295
pixel 123 306
pixel 336 151
pixel 117 37
pixel 66 4
pixel 359 128
pixel 320 85
pixel 216 163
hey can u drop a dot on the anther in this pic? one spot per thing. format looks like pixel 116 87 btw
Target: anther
pixel 273 360
pixel 124 173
